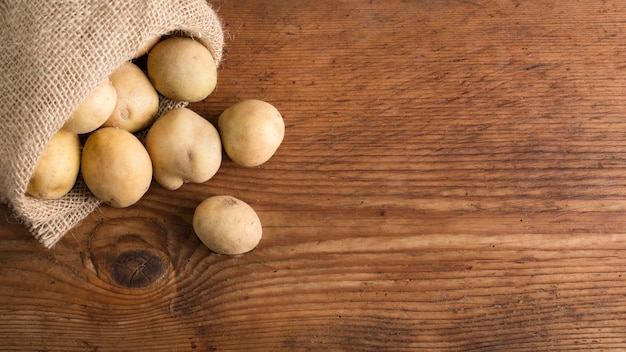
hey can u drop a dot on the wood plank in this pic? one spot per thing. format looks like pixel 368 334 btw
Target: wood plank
pixel 452 179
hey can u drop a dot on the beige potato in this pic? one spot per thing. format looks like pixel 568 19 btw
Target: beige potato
pixel 184 147
pixel 116 167
pixel 94 110
pixel 137 100
pixel 57 168
pixel 227 225
pixel 251 131
pixel 182 69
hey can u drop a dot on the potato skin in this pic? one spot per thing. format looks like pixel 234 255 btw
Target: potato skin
pixel 57 167
pixel 227 225
pixel 251 131
pixel 182 69
pixel 184 147
pixel 137 100
pixel 116 167
pixel 94 111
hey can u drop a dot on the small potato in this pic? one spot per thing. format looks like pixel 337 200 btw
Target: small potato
pixel 94 110
pixel 116 167
pixel 227 225
pixel 137 100
pixel 57 168
pixel 184 147
pixel 251 131
pixel 182 69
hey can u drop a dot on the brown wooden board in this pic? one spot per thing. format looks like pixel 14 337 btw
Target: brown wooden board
pixel 453 178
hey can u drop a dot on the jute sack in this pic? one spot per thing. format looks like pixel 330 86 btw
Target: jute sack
pixel 53 53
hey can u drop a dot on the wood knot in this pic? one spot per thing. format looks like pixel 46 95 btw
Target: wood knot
pixel 137 268
pixel 131 254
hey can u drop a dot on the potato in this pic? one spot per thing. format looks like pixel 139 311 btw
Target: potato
pixel 94 110
pixel 57 168
pixel 116 167
pixel 251 131
pixel 227 225
pixel 182 69
pixel 184 147
pixel 137 100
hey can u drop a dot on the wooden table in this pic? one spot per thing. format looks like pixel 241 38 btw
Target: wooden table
pixel 453 178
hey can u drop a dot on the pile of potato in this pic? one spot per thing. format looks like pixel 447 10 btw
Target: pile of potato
pixel 180 146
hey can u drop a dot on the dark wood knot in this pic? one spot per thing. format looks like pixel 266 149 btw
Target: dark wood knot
pixel 130 253
pixel 137 268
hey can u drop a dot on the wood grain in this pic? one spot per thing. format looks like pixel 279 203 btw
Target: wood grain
pixel 453 178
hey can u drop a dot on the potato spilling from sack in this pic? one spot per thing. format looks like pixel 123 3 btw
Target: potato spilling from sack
pixel 94 110
pixel 182 69
pixel 57 168
pixel 251 130
pixel 116 167
pixel 184 147
pixel 137 100
pixel 180 145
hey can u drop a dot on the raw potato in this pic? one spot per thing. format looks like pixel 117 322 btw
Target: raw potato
pixel 57 168
pixel 184 147
pixel 182 69
pixel 227 225
pixel 94 110
pixel 137 100
pixel 251 131
pixel 116 167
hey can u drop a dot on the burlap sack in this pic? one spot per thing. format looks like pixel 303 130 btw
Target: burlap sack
pixel 52 54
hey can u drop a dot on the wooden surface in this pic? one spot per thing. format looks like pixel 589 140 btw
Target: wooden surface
pixel 453 178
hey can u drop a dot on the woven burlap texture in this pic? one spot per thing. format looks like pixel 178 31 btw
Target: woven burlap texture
pixel 53 53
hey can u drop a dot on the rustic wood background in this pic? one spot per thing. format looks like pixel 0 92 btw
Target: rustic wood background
pixel 453 178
